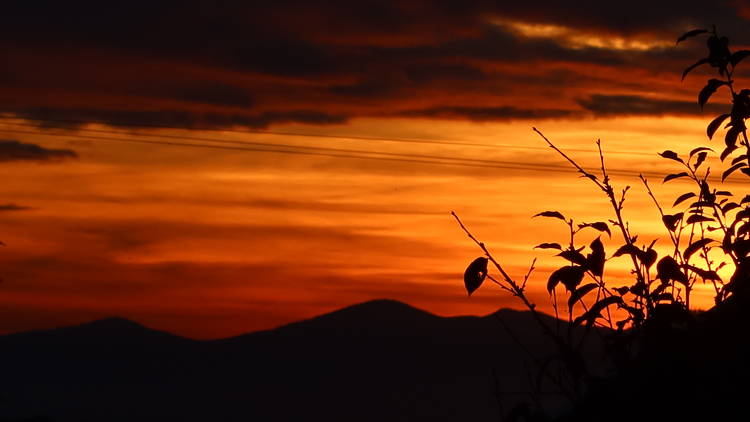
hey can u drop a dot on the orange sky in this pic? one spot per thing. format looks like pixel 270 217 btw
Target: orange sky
pixel 272 227
pixel 210 243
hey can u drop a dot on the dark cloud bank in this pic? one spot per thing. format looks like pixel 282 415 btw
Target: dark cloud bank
pixel 11 150
pixel 257 64
pixel 13 207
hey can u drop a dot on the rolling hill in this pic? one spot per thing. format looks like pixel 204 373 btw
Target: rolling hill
pixel 379 360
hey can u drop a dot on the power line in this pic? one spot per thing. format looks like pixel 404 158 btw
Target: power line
pixel 300 147
pixel 503 165
pixel 370 155
pixel 342 137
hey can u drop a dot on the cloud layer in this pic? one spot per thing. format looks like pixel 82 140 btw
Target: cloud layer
pixel 11 150
pixel 258 64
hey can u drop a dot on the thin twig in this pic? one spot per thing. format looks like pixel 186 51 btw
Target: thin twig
pixel 512 285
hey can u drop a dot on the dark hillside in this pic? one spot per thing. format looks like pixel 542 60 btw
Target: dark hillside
pixel 380 360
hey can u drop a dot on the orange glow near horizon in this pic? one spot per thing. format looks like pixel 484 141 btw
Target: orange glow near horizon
pixel 209 243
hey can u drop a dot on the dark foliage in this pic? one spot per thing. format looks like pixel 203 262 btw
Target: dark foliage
pixel 666 359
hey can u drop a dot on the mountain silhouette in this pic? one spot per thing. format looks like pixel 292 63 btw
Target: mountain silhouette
pixel 380 360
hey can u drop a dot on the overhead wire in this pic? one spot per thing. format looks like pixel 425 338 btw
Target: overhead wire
pixel 252 146
pixel 332 136
pixel 288 146
pixel 337 153
pixel 448 160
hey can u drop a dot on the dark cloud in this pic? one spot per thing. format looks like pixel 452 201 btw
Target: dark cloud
pixel 633 105
pixel 212 93
pixel 258 64
pixel 66 118
pixel 426 73
pixel 11 150
pixel 496 44
pixel 193 25
pixel 12 207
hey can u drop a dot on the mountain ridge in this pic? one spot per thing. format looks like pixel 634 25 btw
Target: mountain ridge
pixel 395 360
pixel 391 307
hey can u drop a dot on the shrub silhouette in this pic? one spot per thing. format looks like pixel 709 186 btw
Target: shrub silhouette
pixel 667 361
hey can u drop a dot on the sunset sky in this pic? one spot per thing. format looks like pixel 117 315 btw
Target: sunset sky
pixel 214 168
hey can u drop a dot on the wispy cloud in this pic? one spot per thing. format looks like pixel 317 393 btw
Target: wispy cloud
pixel 13 207
pixel 11 150
pixel 634 105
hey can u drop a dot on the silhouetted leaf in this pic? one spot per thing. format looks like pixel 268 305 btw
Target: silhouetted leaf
pixel 659 289
pixel 737 56
pixel 708 91
pixel 745 213
pixel 638 289
pixel 622 290
pixel 723 193
pixel 573 256
pixel 690 34
pixel 595 260
pixel 714 125
pixel 705 274
pixel 726 242
pixel 671 155
pixel 648 257
pixel 728 150
pixel 552 214
pixel 744 229
pixel 662 296
pixel 626 249
pixel 693 66
pixel 745 200
pixel 579 293
pixel 701 204
pixel 596 309
pixel 698 219
pixel 599 225
pixel 673 176
pixel 548 246
pixel 667 269
pixel 700 149
pixel 741 247
pixel 672 221
pixel 570 276
pixel 729 206
pixel 730 139
pixel 475 274
pixel 701 158
pixel 739 159
pixel 683 197
pixel 731 170
pixel 695 246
